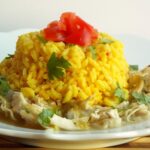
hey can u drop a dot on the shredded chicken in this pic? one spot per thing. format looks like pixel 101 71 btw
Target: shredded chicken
pixel 106 119
pixel 123 105
pixel 136 111
pixel 136 82
pixel 24 108
pixel 18 102
pixel 5 107
pixel 140 81
pixel 146 78
pixel 63 123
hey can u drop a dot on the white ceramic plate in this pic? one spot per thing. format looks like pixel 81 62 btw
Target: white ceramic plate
pixel 136 51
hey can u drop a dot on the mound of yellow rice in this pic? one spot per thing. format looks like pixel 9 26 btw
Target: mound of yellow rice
pixel 86 77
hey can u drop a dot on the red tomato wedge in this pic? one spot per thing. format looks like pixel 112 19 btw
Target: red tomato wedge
pixel 71 29
pixel 55 32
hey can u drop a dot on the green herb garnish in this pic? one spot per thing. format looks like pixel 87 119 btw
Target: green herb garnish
pixel 120 93
pixel 141 98
pixel 93 52
pixel 4 86
pixel 9 56
pixel 41 39
pixel 106 41
pixel 134 67
pixel 56 66
pixel 45 116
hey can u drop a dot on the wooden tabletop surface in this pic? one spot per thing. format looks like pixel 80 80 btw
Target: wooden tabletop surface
pixel 139 144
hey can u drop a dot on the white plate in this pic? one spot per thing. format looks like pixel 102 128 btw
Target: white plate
pixel 136 51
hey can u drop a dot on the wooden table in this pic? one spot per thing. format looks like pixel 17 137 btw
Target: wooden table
pixel 140 144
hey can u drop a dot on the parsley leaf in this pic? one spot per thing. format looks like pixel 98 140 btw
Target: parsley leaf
pixel 106 41
pixel 120 93
pixel 93 52
pixel 56 66
pixel 4 86
pixel 41 39
pixel 9 56
pixel 141 97
pixel 134 67
pixel 44 117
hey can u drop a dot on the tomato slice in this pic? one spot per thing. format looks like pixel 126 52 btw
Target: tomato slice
pixel 68 19
pixel 55 32
pixel 71 29
pixel 82 38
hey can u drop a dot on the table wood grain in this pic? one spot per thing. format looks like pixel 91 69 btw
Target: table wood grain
pixel 139 144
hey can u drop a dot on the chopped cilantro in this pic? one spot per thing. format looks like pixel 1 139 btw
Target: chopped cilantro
pixel 56 66
pixel 4 86
pixel 134 67
pixel 93 52
pixel 9 56
pixel 45 116
pixel 120 93
pixel 41 39
pixel 106 41
pixel 141 98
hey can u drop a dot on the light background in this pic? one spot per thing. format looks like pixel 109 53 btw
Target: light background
pixel 113 16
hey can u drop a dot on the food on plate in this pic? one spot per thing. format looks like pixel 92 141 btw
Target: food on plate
pixel 70 76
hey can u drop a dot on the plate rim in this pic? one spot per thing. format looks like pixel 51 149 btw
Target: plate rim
pixel 71 135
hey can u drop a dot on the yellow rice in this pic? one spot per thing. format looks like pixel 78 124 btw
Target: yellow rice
pixel 27 70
